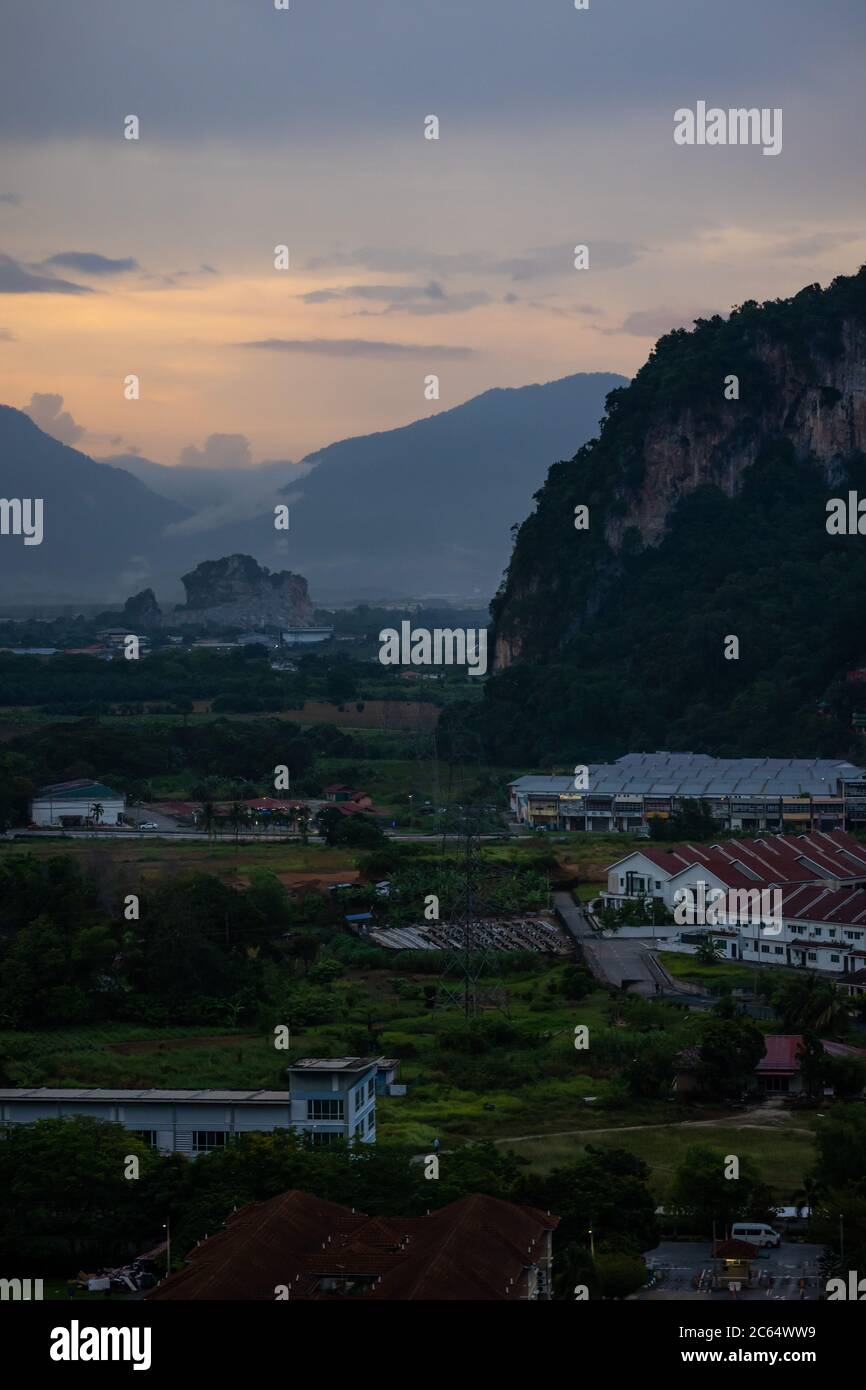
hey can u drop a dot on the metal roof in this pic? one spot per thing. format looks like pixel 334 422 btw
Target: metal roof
pixel 333 1063
pixel 97 1096
pixel 697 774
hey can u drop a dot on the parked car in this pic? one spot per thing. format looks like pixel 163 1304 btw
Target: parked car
pixel 147 825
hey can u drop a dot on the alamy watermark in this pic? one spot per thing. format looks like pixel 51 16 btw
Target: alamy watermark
pixel 736 126
pixel 22 516
pixel 439 646
pixel 703 906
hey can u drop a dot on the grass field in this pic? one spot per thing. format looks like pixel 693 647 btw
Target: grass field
pixel 684 967
pixel 783 1153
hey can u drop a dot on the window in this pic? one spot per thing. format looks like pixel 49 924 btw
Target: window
pixel 324 1109
pixel 371 1087
pixel 658 883
pixel 359 1098
pixel 779 950
pixel 204 1139
pixel 371 1120
pixel 321 1138
pixel 766 950
pixel 147 1136
pixel 812 955
pixel 834 959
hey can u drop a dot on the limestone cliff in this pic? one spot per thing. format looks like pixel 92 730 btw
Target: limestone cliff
pixel 800 366
pixel 237 592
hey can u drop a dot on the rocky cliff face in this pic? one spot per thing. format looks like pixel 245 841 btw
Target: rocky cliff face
pixel 801 370
pixel 237 592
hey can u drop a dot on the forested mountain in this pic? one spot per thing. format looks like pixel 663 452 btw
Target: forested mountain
pixel 707 520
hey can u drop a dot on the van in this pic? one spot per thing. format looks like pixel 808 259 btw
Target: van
pixel 756 1233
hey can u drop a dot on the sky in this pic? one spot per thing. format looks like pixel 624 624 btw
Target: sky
pixel 305 127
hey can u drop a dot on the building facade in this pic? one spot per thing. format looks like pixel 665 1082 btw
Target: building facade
pixel 773 795
pixel 816 881
pixel 329 1099
pixel 77 803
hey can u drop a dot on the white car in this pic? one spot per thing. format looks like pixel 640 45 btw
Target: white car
pixel 147 825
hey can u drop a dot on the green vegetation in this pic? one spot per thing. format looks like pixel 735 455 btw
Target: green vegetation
pixel 644 626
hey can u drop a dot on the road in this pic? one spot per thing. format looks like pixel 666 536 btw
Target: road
pixel 614 961
pixel 678 1262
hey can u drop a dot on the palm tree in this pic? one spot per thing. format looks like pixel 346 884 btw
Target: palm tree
pixel 208 818
pixel 304 823
pixel 707 951
pixel 237 817
pixel 97 811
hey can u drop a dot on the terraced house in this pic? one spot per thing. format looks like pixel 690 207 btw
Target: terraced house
pixel 821 883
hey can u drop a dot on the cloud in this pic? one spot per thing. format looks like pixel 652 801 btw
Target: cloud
pixel 533 264
pixel 815 244
pixel 91 263
pixel 419 300
pixel 13 199
pixel 17 278
pixel 220 451
pixel 6 336
pixel 654 323
pixel 46 411
pixel 358 347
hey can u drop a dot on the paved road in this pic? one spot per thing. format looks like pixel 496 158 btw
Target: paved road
pixel 613 961
pixel 679 1261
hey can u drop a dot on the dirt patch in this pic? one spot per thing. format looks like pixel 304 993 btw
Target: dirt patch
pixel 174 1044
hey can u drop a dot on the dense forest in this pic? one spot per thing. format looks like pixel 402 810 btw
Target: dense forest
pixel 619 643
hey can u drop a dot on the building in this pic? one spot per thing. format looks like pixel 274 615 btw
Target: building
pixel 296 1246
pixel 779 1071
pixel 335 1098
pixel 74 803
pixel 305 636
pixel 338 792
pixel 329 1099
pixel 762 794
pixel 817 881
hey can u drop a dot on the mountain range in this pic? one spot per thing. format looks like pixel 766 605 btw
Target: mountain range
pixel 424 510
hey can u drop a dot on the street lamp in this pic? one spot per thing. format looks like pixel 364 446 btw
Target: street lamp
pixel 167 1228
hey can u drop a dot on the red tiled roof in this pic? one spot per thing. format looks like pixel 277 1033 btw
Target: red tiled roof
pixel 782 1052
pixel 475 1248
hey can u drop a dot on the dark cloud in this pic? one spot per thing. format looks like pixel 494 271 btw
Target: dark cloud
pixel 17 278
pixel 13 199
pixel 91 263
pixel 46 411
pixel 358 347
pixel 419 300
pixel 6 336
pixel 654 323
pixel 185 68
pixel 534 264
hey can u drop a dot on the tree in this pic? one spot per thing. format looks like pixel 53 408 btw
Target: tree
pixel 806 1002
pixel 728 1052
pixel 65 1199
pixel 707 951
pixel 620 1274
pixel 703 1193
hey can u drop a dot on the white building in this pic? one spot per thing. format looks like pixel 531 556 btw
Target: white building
pixel 818 880
pixel 77 803
pixel 330 1098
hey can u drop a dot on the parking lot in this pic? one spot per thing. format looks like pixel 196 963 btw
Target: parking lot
pixel 678 1265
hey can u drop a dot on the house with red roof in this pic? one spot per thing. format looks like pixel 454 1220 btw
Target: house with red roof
pixel 297 1247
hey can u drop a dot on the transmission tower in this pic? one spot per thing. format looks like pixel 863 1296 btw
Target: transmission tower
pixel 468 980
